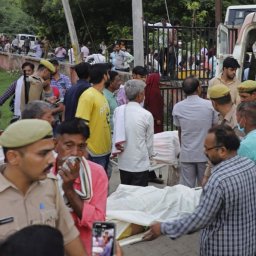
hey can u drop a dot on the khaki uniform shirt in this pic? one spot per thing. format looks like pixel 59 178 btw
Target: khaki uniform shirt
pixel 230 120
pixel 35 91
pixel 232 86
pixel 42 204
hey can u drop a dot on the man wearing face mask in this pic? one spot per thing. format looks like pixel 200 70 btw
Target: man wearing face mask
pixel 246 117
pixel 94 109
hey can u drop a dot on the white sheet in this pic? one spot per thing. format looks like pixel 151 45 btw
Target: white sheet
pixel 143 205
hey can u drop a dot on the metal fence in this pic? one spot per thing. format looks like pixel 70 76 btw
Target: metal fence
pixel 172 95
pixel 178 52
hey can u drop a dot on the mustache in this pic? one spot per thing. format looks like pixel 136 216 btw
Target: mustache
pixel 49 167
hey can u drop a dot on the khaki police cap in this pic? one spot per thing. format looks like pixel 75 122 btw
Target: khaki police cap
pixel 25 132
pixel 247 86
pixel 218 91
pixel 48 65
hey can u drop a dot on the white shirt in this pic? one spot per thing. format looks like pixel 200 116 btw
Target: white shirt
pixel 164 32
pixel 60 52
pixel 120 58
pixel 139 133
pixel 71 56
pixel 38 50
pixel 129 59
pixel 85 51
pixel 15 42
pixel 95 58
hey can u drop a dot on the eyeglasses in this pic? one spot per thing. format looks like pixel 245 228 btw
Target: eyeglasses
pixel 207 149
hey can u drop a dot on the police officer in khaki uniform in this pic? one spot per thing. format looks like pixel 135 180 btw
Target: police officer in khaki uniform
pixel 32 87
pixel 247 91
pixel 222 103
pixel 28 193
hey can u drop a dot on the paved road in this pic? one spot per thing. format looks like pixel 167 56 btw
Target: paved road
pixel 163 246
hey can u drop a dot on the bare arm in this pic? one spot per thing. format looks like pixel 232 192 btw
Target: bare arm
pixel 75 248
pixel 59 108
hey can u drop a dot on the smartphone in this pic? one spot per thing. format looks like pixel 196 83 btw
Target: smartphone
pixel 103 238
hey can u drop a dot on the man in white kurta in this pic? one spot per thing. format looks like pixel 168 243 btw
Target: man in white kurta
pixel 134 160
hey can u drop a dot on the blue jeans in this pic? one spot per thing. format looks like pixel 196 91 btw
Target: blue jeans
pixel 101 160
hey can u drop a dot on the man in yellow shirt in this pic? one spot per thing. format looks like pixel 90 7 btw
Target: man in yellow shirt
pixel 93 108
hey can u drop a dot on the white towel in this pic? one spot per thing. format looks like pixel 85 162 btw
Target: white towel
pixel 85 175
pixel 17 99
pixel 118 137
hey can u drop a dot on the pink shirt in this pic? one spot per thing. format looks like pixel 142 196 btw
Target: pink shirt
pixel 121 96
pixel 95 209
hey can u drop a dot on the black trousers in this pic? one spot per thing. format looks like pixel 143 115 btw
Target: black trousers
pixel 134 178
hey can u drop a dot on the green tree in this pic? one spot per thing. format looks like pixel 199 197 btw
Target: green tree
pixel 14 20
pixel 107 20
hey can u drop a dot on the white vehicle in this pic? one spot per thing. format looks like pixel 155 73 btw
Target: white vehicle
pixel 236 14
pixel 22 37
pixel 237 37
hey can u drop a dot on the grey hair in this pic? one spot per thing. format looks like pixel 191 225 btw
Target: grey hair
pixel 133 88
pixel 35 109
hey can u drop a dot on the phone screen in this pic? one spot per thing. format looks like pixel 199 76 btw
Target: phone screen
pixel 103 236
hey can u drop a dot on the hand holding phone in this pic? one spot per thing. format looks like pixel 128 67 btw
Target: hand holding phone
pixel 103 239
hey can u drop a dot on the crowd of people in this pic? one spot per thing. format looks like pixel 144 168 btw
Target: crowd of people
pixel 120 56
pixel 81 117
pixel 102 117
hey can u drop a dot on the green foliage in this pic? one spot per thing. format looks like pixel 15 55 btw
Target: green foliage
pixel 6 79
pixel 101 20
pixel 13 20
pixel 115 31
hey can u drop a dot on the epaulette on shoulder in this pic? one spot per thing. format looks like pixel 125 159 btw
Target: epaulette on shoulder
pixel 35 78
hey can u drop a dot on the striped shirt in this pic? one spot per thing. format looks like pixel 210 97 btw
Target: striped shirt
pixel 8 93
pixel 226 212
pixel 63 84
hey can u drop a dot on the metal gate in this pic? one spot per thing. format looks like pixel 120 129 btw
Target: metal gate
pixel 178 52
pixel 172 95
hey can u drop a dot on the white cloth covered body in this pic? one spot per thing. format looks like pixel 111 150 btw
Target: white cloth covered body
pixel 167 147
pixel 143 205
